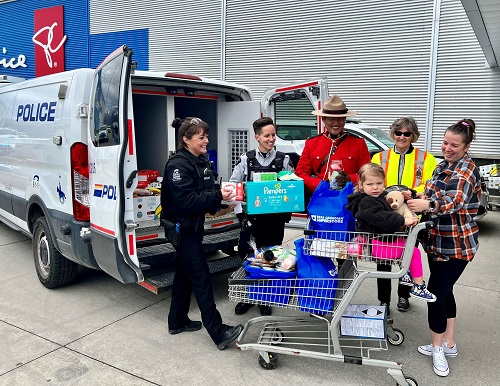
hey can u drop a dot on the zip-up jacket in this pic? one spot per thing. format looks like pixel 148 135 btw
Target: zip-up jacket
pixel 189 189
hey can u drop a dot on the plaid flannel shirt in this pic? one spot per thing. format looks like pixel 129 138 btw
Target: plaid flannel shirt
pixel 455 191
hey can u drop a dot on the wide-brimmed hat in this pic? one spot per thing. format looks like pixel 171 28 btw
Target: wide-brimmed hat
pixel 334 107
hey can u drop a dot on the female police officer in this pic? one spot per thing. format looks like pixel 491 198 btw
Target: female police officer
pixel 188 192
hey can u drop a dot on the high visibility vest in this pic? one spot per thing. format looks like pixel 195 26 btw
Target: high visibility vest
pixel 415 158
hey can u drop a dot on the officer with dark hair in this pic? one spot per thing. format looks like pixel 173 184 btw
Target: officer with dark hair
pixel 267 229
pixel 189 190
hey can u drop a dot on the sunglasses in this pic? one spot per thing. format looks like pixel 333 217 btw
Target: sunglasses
pixel 398 133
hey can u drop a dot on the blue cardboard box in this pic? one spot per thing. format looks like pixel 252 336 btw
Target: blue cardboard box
pixel 267 197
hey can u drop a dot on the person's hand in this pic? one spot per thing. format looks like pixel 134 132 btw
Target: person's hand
pixel 418 205
pixel 227 193
pixel 406 194
pixel 411 221
pixel 342 179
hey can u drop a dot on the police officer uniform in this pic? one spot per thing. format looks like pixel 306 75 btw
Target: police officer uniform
pixel 189 190
pixel 268 229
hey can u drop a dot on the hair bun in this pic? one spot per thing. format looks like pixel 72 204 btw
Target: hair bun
pixel 176 123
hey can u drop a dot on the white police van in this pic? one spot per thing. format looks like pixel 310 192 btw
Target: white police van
pixel 72 146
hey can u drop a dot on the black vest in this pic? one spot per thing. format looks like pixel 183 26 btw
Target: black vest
pixel 254 166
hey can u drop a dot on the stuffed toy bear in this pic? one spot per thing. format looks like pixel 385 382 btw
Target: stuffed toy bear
pixel 396 201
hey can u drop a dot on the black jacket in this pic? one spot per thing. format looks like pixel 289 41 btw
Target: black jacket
pixel 189 189
pixel 373 214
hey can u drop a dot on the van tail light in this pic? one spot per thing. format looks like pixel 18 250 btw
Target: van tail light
pixel 80 181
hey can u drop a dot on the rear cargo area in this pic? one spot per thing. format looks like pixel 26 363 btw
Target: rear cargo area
pixel 153 129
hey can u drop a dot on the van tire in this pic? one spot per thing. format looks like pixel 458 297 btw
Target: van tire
pixel 52 268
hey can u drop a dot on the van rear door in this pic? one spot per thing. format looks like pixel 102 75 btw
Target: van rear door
pixel 290 106
pixel 113 168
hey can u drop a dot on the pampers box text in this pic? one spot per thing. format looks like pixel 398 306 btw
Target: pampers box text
pixel 268 197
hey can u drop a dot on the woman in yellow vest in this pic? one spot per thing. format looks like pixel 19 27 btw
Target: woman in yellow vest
pixel 406 165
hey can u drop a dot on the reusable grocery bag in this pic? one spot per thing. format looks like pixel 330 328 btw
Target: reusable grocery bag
pixel 316 281
pixel 327 209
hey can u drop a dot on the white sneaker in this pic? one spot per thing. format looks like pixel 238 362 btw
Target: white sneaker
pixel 448 351
pixel 439 361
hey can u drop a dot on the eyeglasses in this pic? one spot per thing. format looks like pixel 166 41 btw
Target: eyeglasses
pixel 398 133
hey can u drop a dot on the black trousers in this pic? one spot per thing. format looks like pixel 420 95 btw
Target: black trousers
pixel 193 276
pixel 268 230
pixel 444 275
pixel 384 286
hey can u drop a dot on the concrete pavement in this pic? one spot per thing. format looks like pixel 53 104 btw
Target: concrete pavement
pixel 98 331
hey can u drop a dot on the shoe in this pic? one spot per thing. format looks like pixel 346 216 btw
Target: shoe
pixel 242 308
pixel 230 336
pixel 448 351
pixel 420 291
pixel 403 304
pixel 192 325
pixel 407 280
pixel 386 305
pixel 439 361
pixel 265 310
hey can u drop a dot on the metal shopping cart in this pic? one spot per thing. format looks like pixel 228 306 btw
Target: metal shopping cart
pixel 328 334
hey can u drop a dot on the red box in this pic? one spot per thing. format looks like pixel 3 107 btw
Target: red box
pixel 146 176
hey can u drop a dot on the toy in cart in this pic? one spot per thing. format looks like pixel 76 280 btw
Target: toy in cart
pixel 339 331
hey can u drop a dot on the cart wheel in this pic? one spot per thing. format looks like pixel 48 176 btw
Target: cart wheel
pixel 399 337
pixel 273 361
pixel 409 381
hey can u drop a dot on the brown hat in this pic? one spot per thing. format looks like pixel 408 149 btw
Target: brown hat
pixel 334 107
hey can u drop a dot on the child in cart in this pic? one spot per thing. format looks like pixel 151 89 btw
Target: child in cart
pixel 374 215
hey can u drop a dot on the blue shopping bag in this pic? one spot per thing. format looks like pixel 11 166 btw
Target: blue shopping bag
pixel 327 209
pixel 316 281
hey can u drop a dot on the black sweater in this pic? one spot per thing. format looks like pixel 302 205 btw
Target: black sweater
pixel 373 214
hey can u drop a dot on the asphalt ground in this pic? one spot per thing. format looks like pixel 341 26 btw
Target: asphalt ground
pixel 98 331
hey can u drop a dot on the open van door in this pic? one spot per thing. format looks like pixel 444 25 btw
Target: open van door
pixel 290 106
pixel 113 168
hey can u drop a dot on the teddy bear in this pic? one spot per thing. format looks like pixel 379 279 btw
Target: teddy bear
pixel 396 201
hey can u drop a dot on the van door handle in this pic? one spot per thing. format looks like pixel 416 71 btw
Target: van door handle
pixel 130 179
pixel 130 226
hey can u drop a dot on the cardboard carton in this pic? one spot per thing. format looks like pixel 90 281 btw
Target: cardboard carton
pixel 267 197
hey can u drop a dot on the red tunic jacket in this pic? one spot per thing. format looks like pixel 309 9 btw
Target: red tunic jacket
pixel 352 151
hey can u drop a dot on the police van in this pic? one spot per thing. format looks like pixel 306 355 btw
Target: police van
pixel 76 148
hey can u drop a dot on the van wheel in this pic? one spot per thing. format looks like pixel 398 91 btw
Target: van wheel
pixel 52 268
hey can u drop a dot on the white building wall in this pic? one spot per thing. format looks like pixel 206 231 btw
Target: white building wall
pixel 375 54
pixel 465 86
pixel 184 36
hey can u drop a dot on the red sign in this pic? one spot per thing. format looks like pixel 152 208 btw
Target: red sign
pixel 49 40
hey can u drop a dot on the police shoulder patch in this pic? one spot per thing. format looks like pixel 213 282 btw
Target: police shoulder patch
pixel 176 175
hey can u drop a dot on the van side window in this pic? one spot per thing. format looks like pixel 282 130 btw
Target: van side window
pixel 105 120
pixel 293 118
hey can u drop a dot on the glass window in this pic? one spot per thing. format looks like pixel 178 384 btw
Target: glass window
pixel 293 118
pixel 106 112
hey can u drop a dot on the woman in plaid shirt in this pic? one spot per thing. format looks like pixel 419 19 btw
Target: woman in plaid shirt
pixel 451 199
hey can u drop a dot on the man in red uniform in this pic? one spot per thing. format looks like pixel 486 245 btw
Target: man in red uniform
pixel 333 144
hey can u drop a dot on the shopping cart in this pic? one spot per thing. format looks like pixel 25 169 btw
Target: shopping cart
pixel 317 331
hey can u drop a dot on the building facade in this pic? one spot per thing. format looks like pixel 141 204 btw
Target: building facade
pixel 385 59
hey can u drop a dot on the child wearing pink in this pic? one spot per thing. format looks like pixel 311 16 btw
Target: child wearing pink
pixel 374 215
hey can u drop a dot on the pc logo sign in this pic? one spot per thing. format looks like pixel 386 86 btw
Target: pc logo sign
pixel 49 40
